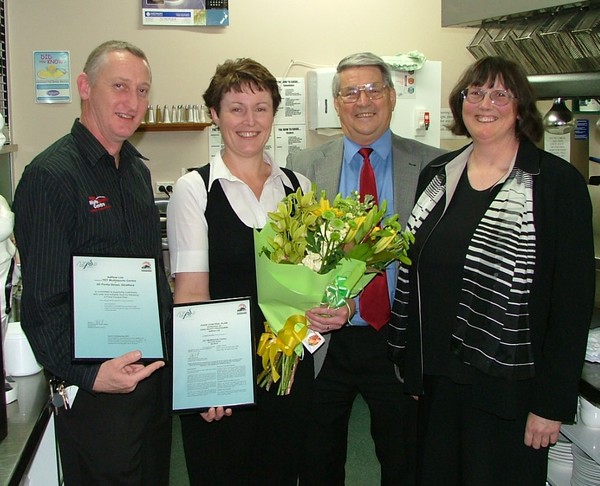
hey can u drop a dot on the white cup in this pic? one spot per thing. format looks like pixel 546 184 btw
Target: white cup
pixel 589 413
pixel 18 355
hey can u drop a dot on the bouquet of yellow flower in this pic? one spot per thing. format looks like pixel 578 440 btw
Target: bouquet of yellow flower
pixel 313 252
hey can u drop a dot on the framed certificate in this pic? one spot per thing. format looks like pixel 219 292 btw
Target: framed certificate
pixel 115 308
pixel 213 355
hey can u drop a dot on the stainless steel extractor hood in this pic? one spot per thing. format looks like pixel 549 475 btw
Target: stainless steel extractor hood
pixel 470 13
pixel 558 46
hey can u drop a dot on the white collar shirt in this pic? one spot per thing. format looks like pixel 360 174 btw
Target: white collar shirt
pixel 187 228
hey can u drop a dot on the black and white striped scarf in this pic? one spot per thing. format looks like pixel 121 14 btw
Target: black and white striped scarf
pixel 492 326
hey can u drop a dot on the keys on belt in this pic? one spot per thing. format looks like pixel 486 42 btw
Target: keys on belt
pixel 58 394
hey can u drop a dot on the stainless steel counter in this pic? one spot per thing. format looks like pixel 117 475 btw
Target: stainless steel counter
pixel 27 419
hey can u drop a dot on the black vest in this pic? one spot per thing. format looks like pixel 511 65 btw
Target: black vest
pixel 231 248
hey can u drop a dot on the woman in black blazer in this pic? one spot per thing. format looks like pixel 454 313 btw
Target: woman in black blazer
pixel 490 322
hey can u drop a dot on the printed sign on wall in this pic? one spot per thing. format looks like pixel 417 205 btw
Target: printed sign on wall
pixel 182 13
pixel 52 76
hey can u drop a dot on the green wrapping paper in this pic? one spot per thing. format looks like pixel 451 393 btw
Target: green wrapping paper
pixel 285 290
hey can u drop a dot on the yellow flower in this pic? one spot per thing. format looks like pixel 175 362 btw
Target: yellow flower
pixel 344 228
pixel 356 229
pixel 383 243
pixel 324 206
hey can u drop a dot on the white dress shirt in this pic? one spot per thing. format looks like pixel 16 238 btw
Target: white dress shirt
pixel 187 229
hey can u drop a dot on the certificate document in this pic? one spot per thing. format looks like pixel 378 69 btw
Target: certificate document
pixel 115 308
pixel 213 355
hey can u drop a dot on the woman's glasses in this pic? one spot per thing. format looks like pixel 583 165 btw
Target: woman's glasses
pixel 500 97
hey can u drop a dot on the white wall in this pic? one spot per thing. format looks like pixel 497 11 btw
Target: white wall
pixel 184 58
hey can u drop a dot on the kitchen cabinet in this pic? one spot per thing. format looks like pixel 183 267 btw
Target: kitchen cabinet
pixel 29 450
pixel 470 13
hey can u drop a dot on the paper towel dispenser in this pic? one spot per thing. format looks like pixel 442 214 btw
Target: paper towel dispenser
pixel 321 111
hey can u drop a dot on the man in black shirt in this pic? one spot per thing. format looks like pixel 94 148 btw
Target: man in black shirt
pixel 91 193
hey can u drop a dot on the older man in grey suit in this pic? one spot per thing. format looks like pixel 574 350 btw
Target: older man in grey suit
pixel 355 360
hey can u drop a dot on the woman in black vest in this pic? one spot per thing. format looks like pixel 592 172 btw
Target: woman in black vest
pixel 211 216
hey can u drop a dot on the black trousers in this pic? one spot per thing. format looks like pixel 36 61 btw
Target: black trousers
pixel 356 363
pixel 460 445
pixel 117 439
pixel 259 446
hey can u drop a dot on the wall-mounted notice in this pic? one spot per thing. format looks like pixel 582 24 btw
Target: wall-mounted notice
pixel 185 13
pixel 52 76
pixel 288 138
pixel 293 98
pixel 559 145
pixel 405 83
pixel 446 119
pixel 215 141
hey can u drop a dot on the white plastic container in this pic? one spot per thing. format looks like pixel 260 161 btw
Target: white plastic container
pixel 18 356
pixel 589 413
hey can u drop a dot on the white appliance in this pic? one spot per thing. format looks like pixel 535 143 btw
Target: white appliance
pixel 321 112
pixel 418 102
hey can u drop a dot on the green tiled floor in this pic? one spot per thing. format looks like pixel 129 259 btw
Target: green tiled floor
pixel 362 468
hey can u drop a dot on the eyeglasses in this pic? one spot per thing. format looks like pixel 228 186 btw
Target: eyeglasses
pixel 351 94
pixel 500 97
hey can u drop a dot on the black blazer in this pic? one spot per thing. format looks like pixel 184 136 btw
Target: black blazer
pixel 561 299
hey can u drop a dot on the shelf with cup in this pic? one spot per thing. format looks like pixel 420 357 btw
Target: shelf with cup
pixel 172 127
pixel 8 148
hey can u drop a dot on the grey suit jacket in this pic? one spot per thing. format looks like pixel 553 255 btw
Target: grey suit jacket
pixel 323 166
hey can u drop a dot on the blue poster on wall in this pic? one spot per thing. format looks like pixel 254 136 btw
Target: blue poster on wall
pixel 52 76
pixel 185 13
